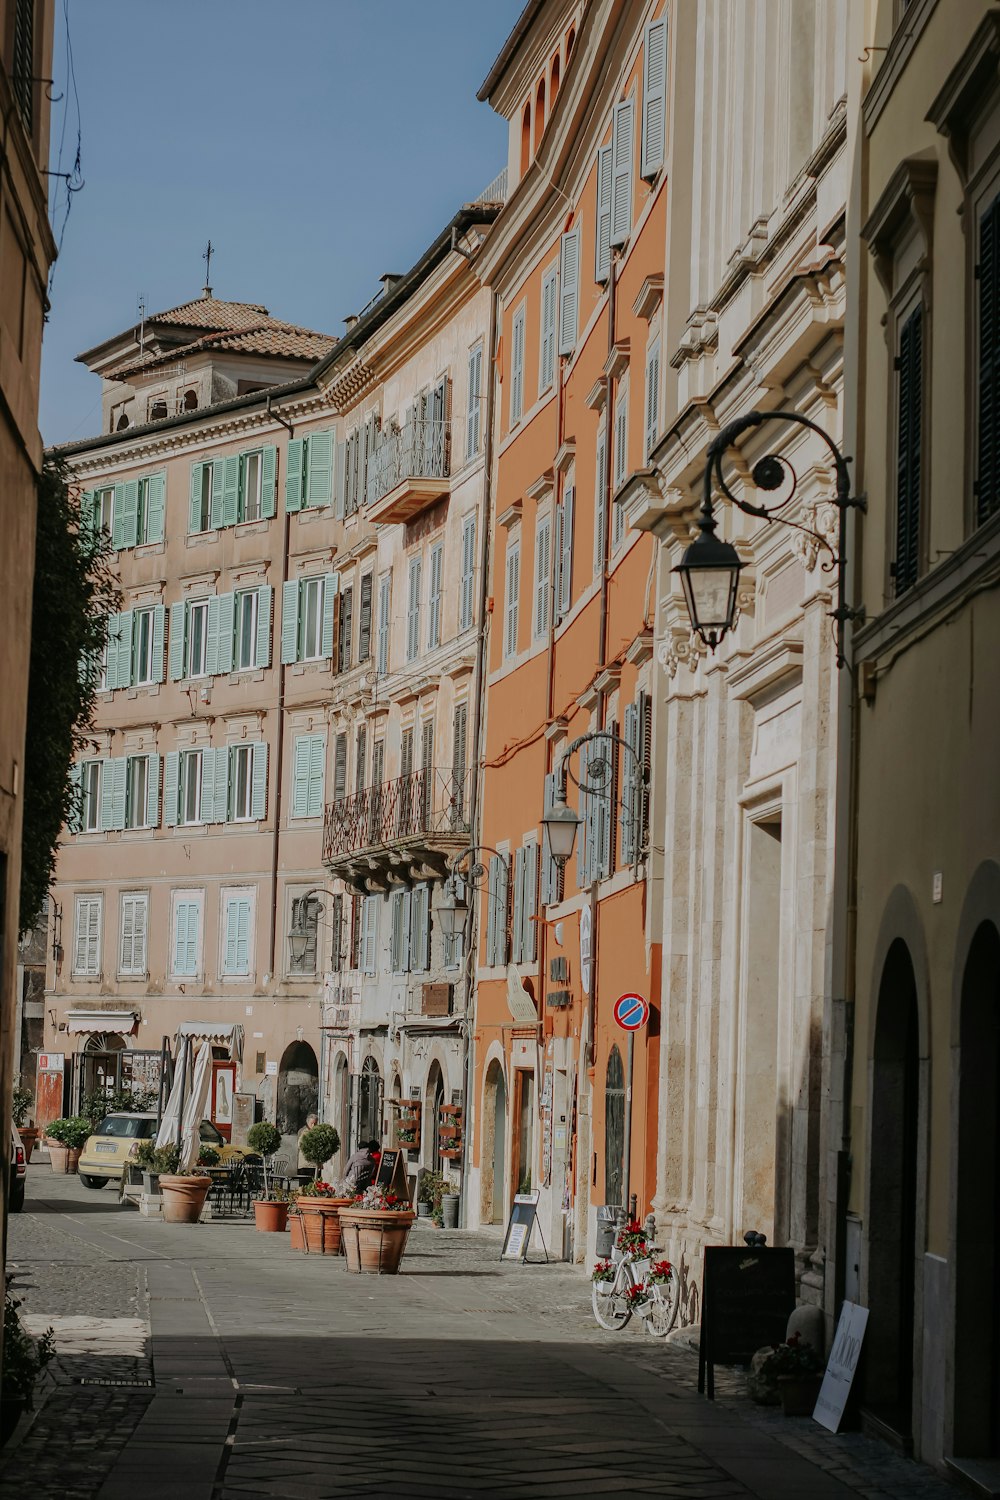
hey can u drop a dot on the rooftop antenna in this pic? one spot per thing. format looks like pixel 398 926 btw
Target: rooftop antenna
pixel 206 256
pixel 142 320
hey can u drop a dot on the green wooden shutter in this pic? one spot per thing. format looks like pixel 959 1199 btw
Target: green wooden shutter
pixel 231 489
pixel 330 582
pixel 212 637
pixel 171 773
pixel 268 474
pixel 221 766
pixel 218 493
pixel 602 248
pixel 130 513
pixel 262 652
pixel 118 519
pixel 194 499
pixel 107 817
pixel 178 616
pixel 339 479
pixel 569 290
pixel 118 779
pixel 516 926
pixel 74 819
pixel 227 609
pixel 622 151
pixel 159 633
pixel 290 621
pixel 317 771
pixel 156 504
pixel 654 98
pixel 112 629
pixel 125 624
pixel 909 395
pixel 319 474
pixel 258 790
pixel 294 470
pixel 88 509
pixel 152 791
pixel 300 775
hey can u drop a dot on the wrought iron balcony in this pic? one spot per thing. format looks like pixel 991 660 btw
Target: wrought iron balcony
pixel 399 831
pixel 409 470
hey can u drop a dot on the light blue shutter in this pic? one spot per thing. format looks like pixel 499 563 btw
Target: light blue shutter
pixel 130 513
pixel 113 630
pixel 290 621
pixel 517 367
pixel 125 623
pixel 330 583
pixel 473 415
pixel 159 632
pixel 339 479
pixel 118 519
pixel 156 502
pixel 181 937
pixel 212 637
pixel 413 611
pixel 569 290
pixel 529 903
pixel 177 618
pixel 268 475
pixel 88 509
pixel 262 653
pixel 224 647
pixel 654 98
pixel 231 489
pixel 218 492
pixel 118 769
pixel 517 923
pixel 602 249
pixel 491 913
pixel 369 934
pixel 601 502
pixel 503 910
pixel 220 767
pixel 232 935
pixel 566 553
pixel 300 775
pixel 384 597
pixel 319 476
pixel 622 149
pixel 194 502
pixel 258 791
pixel 317 774
pixel 171 770
pixel 152 790
pixel 652 399
pixel 107 817
pixel 468 571
pixel 294 468
pixel 207 809
pixel 437 573
pixel 547 369
pixel 420 928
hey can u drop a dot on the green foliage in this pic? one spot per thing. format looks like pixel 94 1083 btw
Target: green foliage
pixel 208 1157
pixel 154 1158
pixel 791 1358
pixel 264 1137
pixel 74 592
pixel 21 1102
pixel 430 1189
pixel 71 1132
pixel 120 1101
pixel 24 1358
pixel 319 1144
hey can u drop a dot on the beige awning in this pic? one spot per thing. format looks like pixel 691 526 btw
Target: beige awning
pixel 90 1022
pixel 224 1034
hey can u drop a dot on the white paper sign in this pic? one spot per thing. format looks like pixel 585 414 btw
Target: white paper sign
pixel 841 1366
pixel 272 1068
pixel 585 935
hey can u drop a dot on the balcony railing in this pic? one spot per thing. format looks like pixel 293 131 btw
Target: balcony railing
pixel 419 450
pixel 428 805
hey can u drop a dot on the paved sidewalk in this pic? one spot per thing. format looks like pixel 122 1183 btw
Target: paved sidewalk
pixel 279 1375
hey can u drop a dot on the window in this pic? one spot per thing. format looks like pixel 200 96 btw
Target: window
pixel 565 536
pixel 187 930
pixel 308 775
pixel 365 620
pixel 104 511
pixel 236 935
pixel 497 911
pixel 547 354
pixel 250 487
pixel 473 419
pixel 524 928
pixel 360 758
pixel 142 647
pixel 157 409
pixel 622 150
pixel 340 768
pixel 150 509
pixel 909 412
pixel 346 622
pixel 543 562
pixel 238 487
pixel 197 638
pixel 87 935
pixel 245 638
pixel 190 788
pixel 337 954
pixel 987 487
pixel 137 790
pixel 511 599
pixel 309 471
pixel 652 425
pixel 517 367
pixel 240 783
pixel 654 98
pixel 311 618
pixel 132 951
pixel 413 610
pixel 409 946
pixel 203 479
pixel 436 596
pixel 569 290
pixel 384 599
pixel 399 946
pixel 601 500
pixel 90 789
pixel 134 650
pixel 467 603
pixel 602 251
pixel 595 852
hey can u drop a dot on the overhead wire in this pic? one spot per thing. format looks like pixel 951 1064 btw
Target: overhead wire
pixel 73 179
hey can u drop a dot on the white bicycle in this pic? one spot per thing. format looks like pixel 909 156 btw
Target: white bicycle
pixel 615 1299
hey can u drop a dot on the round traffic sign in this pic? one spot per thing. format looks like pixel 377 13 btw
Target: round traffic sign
pixel 631 1012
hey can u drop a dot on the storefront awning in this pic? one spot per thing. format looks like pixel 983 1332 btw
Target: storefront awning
pixel 89 1022
pixel 225 1035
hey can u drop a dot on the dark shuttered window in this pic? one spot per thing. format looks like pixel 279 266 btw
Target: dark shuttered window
pixel 988 432
pixel 909 388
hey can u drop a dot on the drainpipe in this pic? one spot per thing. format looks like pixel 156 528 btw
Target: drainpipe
pixel 479 698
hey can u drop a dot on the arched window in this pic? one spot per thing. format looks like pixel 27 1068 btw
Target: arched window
pixel 370 1102
pixel 190 400
pixel 554 78
pixel 570 39
pixel 539 113
pixel 122 423
pixel 526 138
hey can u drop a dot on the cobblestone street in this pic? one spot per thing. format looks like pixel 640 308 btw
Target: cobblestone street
pixel 212 1362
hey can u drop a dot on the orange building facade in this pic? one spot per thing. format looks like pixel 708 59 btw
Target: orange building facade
pixel 564 1102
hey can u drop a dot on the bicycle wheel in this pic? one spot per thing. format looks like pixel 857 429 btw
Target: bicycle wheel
pixel 663 1304
pixel 610 1308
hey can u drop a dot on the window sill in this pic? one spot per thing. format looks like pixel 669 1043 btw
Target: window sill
pixel 252 528
pixel 201 538
pixel 139 978
pixel 86 978
pixel 299 668
pixel 234 978
pixel 147 689
pixel 310 513
pixel 246 674
pixel 150 549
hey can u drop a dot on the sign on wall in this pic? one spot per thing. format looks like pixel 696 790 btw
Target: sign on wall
pixel 51 1062
pixel 586 928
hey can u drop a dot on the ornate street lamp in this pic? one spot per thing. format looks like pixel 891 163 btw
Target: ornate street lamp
pixel 303 908
pixel 452 910
pixel 710 568
pixel 561 822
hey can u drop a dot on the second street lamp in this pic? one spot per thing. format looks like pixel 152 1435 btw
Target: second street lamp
pixel 561 822
pixel 710 575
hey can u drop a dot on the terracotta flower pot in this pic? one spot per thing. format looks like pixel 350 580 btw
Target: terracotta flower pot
pixel 64 1158
pixel 374 1241
pixel 29 1135
pixel 183 1198
pixel 271 1218
pixel 799 1393
pixel 321 1224
pixel 296 1236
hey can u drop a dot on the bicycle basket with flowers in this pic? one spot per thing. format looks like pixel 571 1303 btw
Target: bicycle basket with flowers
pixel 637 1296
pixel 631 1240
pixel 660 1272
pixel 603 1273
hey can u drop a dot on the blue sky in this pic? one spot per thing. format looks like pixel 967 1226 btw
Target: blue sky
pixel 318 143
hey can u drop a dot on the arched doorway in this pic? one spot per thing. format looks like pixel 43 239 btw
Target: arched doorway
pixel 370 1102
pixel 341 1112
pixel 892 1214
pixel 101 1065
pixel 298 1087
pixel 614 1129
pixel 435 1099
pixel 494 1144
pixel 977 1238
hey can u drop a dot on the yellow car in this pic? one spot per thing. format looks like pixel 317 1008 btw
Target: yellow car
pixel 115 1142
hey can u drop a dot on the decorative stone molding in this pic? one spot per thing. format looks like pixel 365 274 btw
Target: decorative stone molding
pixel 681 648
pixel 908 196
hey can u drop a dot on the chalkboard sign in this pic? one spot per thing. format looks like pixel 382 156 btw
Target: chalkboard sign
pixel 747 1295
pixel 519 1227
pixel 391 1175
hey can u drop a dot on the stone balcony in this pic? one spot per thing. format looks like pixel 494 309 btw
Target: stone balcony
pixel 409 471
pixel 400 831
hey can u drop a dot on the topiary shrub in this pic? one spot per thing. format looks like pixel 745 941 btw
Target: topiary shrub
pixel 319 1144
pixel 264 1137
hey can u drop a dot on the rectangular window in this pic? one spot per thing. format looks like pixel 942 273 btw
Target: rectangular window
pixel 305 919
pixel 512 599
pixel 142 647
pixel 187 931
pixel 369 934
pixel 547 350
pixel 190 792
pixel 621 461
pixel 909 414
pixel 384 621
pixel 337 954
pixel 311 616
pixel 240 783
pixel 90 788
pixel 365 619
pixel 474 420
pixel 400 939
pixel 346 624
pixel 245 632
pixel 142 526
pixel 987 487
pixel 602 254
pixel 87 935
pixel 543 562
pixel 136 791
pixel 105 509
pixel 517 367
pixel 413 610
pixel 652 424
pixel 340 768
pixel 201 498
pixel 197 638
pixel 250 488
pixel 436 596
pixel 236 945
pixel 360 758
pixel 654 98
pixel 132 951
pixel 567 513
pixel 467 603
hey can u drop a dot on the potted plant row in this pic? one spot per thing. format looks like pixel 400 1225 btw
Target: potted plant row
pixel 375 1229
pixel 65 1139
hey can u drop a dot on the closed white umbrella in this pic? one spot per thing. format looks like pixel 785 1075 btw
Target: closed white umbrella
pixel 195 1108
pixel 169 1130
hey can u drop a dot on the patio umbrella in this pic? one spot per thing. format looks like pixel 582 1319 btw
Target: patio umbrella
pixel 169 1130
pixel 196 1107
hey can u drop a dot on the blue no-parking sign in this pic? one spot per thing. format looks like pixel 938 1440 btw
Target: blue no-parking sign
pixel 631 1012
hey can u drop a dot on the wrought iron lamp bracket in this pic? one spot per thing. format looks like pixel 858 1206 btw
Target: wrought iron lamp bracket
pixel 601 766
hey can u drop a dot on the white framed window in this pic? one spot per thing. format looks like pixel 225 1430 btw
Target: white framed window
pixel 189 804
pixel 304 915
pixel 245 633
pixel 237 932
pixel 311 618
pixel 87 935
pixel 250 486
pixel 136 791
pixel 196 642
pixel 369 934
pixel 240 783
pixel 512 599
pixel 142 647
pixel 185 951
pixel 134 922
pixel 308 774
pixel 105 509
pixel 90 795
pixel 201 499
pixel 543 563
pixel 436 596
pixel 142 527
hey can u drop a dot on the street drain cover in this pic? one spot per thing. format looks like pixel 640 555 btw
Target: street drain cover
pixel 97 1380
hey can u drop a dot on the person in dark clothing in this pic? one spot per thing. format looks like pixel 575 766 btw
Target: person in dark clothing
pixel 362 1167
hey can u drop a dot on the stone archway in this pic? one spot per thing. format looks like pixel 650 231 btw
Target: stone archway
pixel 892 1213
pixel 494 1145
pixel 435 1098
pixel 298 1087
pixel 977 1239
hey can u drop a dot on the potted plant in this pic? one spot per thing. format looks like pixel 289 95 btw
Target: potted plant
pixel 183 1193
pixel 21 1101
pixel 795 1370
pixel 429 1192
pixel 24 1359
pixel 270 1210
pixel 637 1298
pixel 70 1135
pixel 375 1230
pixel 318 1206
pixel 603 1275
pixel 318 1145
pixel 632 1242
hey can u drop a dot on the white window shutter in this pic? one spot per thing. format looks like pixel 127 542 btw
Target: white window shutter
pixel 602 249
pixel 547 361
pixel 319 470
pixel 652 399
pixel 629 786
pixel 566 553
pixel 384 599
pixel 569 290
pixel 290 621
pixel 300 775
pixel 171 770
pixel 152 791
pixel 601 502
pixel 512 599
pixel 331 583
pixel 262 653
pixel 473 416
pixel 369 934
pixel 517 367
pixel 622 151
pixel 517 931
pixel 468 571
pixel 529 903
pixel 654 98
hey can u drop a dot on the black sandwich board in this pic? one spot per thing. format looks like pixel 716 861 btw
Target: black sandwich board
pixel 519 1226
pixel 391 1174
pixel 747 1296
